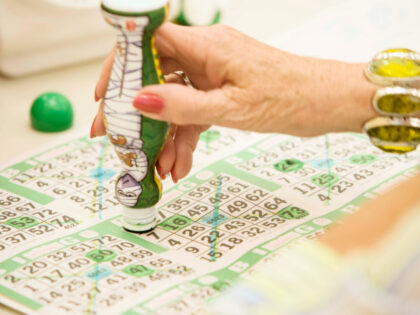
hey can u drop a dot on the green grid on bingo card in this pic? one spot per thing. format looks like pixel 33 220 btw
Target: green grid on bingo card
pixel 145 274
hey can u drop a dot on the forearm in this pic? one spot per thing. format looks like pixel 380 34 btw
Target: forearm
pixel 245 84
pixel 346 100
pixel 330 96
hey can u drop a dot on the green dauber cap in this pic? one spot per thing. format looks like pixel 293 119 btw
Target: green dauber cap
pixel 51 112
pixel 398 66
pixel 130 7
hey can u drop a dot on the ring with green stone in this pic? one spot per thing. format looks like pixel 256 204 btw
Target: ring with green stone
pixel 397 130
pixel 397 101
pixel 393 134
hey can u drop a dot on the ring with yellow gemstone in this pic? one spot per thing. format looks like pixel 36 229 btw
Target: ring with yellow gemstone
pixel 397 130
pixel 397 101
pixel 398 67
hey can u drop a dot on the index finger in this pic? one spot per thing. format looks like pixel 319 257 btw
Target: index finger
pixel 104 77
pixel 188 46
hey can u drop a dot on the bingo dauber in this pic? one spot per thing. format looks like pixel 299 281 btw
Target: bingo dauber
pixel 137 139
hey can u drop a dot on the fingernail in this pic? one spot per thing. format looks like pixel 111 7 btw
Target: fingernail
pixel 149 103
pixel 174 179
pixel 92 129
pixel 159 170
pixel 97 98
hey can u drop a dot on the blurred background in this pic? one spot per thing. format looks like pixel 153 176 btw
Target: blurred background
pixel 59 45
pixel 42 34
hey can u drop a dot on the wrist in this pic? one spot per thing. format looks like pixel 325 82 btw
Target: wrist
pixel 346 97
pixel 329 96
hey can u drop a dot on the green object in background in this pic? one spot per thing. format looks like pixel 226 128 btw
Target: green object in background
pixel 196 13
pixel 51 112
pixel 181 19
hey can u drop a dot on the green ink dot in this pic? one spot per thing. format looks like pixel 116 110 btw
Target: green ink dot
pixel 221 286
pixel 210 136
pixel 293 213
pixel 363 159
pixel 138 271
pixel 23 222
pixel 176 223
pixel 289 165
pixel 101 255
pixel 325 180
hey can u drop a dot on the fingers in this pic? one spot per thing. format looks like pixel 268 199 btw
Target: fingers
pixel 102 84
pixel 199 51
pixel 173 78
pixel 186 140
pixel 98 126
pixel 186 106
pixel 169 65
pixel 167 157
pixel 177 156
pixel 184 44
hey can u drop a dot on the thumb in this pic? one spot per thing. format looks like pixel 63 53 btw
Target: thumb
pixel 184 105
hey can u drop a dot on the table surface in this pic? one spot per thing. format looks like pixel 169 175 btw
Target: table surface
pixel 263 19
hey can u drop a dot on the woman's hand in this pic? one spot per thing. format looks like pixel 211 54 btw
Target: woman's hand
pixel 242 83
pixel 177 155
pixel 245 84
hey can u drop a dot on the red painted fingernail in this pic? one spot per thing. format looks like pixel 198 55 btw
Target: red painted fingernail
pixel 92 129
pixel 174 179
pixel 149 103
pixel 97 98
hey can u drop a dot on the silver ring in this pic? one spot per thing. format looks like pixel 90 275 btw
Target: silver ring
pixel 184 78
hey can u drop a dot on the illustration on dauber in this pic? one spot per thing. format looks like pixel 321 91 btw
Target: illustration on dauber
pixel 137 140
